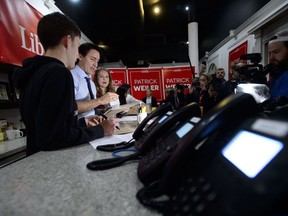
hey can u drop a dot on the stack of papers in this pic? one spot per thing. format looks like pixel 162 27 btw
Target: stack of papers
pixel 111 140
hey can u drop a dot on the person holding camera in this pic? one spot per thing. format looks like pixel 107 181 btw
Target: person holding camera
pixel 219 88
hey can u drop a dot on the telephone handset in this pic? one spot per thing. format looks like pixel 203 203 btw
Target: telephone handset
pixel 152 133
pixel 165 123
pixel 141 130
pixel 243 174
pixel 152 162
pixel 160 111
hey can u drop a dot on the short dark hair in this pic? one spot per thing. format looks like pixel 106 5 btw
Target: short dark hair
pixel 53 27
pixel 86 47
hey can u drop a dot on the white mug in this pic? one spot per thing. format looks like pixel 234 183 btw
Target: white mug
pixel 14 134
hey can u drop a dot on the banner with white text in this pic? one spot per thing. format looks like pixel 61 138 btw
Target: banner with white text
pixel 142 78
pixel 118 75
pixel 18 27
pixel 177 75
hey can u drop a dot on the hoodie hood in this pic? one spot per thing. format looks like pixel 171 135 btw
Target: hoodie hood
pixel 22 75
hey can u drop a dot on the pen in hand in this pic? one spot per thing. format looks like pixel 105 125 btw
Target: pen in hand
pixel 105 117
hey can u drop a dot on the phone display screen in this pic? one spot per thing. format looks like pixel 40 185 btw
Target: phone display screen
pixel 184 129
pixel 164 117
pixel 251 152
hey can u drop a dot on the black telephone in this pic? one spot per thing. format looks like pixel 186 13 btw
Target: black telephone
pixel 150 119
pixel 141 130
pixel 179 144
pixel 153 161
pixel 194 145
pixel 165 124
pixel 149 135
pixel 243 174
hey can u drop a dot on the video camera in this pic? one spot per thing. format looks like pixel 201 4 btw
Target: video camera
pixel 254 72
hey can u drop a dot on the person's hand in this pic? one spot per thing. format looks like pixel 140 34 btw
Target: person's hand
pixel 109 126
pixel 108 97
pixel 191 89
pixel 202 85
pixel 93 120
pixel 212 92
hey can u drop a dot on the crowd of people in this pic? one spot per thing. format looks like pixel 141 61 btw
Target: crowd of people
pixel 62 106
pixel 209 89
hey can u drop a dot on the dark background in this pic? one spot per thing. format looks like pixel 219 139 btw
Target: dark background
pixel 131 32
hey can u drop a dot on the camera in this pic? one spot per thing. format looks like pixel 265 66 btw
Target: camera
pixel 254 72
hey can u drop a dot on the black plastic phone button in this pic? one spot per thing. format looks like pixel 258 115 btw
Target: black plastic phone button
pixel 196 197
pixel 211 196
pixel 199 208
pixel 193 189
pixel 206 187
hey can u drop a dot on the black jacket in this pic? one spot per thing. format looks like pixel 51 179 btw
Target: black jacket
pixel 48 108
pixel 153 101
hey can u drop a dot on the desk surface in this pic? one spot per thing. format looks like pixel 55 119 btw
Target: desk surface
pixel 58 183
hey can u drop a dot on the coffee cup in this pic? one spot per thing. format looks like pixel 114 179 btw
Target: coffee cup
pixel 14 134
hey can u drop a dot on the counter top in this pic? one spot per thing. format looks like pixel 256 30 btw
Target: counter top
pixel 10 147
pixel 58 183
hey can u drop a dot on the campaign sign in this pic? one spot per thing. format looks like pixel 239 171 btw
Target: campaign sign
pixel 142 78
pixel 234 55
pixel 118 76
pixel 18 27
pixel 177 75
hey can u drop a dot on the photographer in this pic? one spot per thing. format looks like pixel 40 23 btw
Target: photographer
pixel 278 57
pixel 219 88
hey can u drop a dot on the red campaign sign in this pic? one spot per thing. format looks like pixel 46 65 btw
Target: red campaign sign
pixel 235 55
pixel 142 78
pixel 174 75
pixel 18 27
pixel 118 76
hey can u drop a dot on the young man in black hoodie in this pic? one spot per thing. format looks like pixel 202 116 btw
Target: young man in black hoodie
pixel 47 100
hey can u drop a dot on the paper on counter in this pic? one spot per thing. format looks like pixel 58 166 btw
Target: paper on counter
pixel 111 140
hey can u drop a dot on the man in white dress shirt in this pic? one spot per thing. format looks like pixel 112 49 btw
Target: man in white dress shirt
pixel 89 56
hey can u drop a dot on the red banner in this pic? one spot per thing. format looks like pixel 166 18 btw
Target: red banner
pixel 118 76
pixel 142 78
pixel 18 28
pixel 175 75
pixel 235 55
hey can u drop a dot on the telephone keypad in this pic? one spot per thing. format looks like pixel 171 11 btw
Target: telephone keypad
pixel 193 197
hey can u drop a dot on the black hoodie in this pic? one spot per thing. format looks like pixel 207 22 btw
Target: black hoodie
pixel 48 107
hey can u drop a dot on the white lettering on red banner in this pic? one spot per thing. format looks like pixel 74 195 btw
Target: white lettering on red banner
pixel 34 42
pixel 117 82
pixel 145 81
pixel 143 88
pixel 178 80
